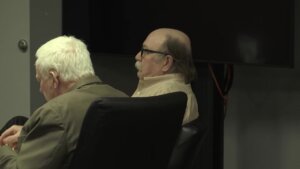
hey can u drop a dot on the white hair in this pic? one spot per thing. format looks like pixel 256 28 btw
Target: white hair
pixel 66 55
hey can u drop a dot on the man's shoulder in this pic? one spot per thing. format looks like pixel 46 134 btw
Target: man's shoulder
pixel 77 100
pixel 101 90
pixel 88 94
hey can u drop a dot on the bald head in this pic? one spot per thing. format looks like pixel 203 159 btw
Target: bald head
pixel 178 45
pixel 159 36
pixel 166 51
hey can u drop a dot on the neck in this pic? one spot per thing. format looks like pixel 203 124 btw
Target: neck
pixel 66 86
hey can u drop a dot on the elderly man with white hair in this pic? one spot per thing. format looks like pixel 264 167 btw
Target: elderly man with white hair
pixel 49 137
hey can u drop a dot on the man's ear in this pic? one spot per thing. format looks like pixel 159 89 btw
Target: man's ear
pixel 168 63
pixel 54 76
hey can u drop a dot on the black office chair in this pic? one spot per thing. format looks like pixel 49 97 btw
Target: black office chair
pixel 17 120
pixel 190 138
pixel 135 133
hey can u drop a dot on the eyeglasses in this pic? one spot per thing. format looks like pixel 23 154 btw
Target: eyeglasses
pixel 148 51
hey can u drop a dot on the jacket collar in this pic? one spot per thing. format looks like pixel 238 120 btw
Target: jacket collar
pixel 86 81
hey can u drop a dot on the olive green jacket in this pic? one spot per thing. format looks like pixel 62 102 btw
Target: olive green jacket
pixel 49 137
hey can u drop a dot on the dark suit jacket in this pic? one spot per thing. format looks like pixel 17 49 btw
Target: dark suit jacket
pixel 49 137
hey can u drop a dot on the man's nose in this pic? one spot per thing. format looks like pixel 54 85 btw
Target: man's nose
pixel 138 56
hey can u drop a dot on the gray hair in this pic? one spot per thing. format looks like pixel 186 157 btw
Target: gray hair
pixel 182 55
pixel 67 55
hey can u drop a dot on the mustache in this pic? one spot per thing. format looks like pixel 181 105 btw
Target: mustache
pixel 137 65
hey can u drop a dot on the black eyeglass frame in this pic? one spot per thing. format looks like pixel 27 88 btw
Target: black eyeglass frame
pixel 153 51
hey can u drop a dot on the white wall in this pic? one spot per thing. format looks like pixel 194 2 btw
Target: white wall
pixel 36 21
pixel 14 64
pixel 262 127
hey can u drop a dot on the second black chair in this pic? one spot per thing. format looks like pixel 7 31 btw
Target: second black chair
pixel 135 133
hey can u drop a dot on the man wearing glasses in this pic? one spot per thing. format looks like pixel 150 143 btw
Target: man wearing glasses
pixel 165 65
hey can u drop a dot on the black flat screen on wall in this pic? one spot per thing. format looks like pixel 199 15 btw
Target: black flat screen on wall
pixel 256 32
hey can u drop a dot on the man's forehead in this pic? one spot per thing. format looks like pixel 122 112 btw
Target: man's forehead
pixel 154 40
pixel 37 71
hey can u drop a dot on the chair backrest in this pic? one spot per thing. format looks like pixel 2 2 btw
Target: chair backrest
pixel 191 135
pixel 135 133
pixel 17 120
